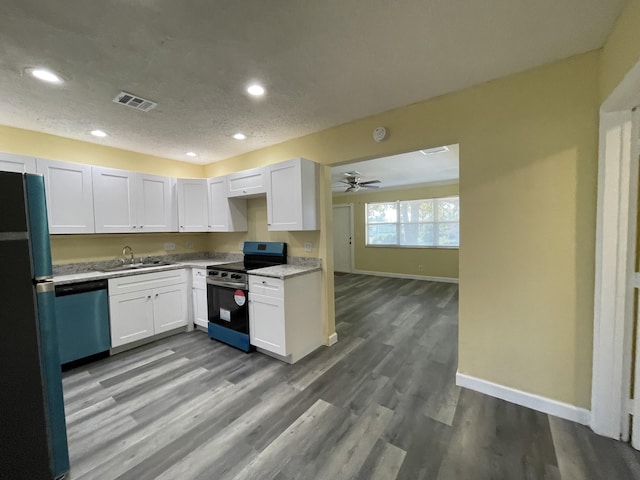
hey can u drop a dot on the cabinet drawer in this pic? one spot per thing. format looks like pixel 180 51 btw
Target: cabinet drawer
pixel 246 183
pixel 199 277
pixel 271 287
pixel 145 281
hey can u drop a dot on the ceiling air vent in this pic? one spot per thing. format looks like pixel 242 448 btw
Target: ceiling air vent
pixel 134 101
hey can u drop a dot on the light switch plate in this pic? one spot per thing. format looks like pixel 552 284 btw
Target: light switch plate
pixel 308 246
pixel 169 246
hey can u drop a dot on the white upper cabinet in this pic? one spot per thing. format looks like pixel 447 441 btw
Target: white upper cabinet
pixel 114 200
pixel 157 203
pixel 193 210
pixel 292 195
pixel 126 202
pixel 10 162
pixel 69 194
pixel 246 183
pixel 225 214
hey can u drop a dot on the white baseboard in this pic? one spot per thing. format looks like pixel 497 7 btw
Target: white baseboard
pixel 333 338
pixel 407 275
pixel 529 400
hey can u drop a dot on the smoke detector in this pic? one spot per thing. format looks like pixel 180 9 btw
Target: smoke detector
pixel 134 101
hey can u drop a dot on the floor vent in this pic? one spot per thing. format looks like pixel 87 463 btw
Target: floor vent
pixel 134 101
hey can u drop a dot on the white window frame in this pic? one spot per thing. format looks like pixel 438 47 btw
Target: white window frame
pixel 399 223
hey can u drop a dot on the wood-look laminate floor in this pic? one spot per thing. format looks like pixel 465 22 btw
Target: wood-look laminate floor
pixel 380 404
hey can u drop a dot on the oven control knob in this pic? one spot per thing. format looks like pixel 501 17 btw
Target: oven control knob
pixel 224 274
pixel 213 273
pixel 235 275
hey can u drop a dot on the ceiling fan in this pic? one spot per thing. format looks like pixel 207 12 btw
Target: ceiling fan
pixel 353 182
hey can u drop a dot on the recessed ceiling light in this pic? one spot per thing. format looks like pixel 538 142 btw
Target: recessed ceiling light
pixel 239 136
pixel 99 133
pixel 256 90
pixel 45 75
pixel 192 154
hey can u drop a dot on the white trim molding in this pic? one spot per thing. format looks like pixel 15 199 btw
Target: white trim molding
pixel 333 339
pixel 529 400
pixel 407 275
pixel 613 296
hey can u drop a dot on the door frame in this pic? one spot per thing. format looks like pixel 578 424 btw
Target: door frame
pixel 615 258
pixel 351 234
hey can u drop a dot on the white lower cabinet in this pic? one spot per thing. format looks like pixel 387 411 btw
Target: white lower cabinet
pixel 131 317
pixel 144 305
pixel 267 331
pixel 285 315
pixel 200 311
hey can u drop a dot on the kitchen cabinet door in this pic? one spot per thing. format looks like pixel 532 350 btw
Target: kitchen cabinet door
pixel 114 200
pixel 157 203
pixel 266 323
pixel 225 214
pixel 246 183
pixel 200 311
pixel 170 308
pixel 10 162
pixel 69 192
pixel 292 195
pixel 193 205
pixel 131 316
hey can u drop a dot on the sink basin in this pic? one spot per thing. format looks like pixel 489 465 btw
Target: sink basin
pixel 135 266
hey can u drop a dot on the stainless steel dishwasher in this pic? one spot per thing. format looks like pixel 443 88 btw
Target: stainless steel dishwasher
pixel 82 315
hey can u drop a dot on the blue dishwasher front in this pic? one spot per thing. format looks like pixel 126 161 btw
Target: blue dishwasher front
pixel 82 313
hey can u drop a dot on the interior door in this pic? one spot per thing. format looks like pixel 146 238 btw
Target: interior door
pixel 342 238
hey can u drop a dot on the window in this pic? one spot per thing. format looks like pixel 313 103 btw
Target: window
pixel 432 222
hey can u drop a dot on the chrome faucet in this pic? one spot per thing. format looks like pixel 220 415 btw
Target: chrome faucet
pixel 130 252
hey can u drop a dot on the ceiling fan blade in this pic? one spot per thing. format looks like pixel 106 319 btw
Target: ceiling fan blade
pixel 369 186
pixel 369 181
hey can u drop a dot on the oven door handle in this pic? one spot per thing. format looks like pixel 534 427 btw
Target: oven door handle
pixel 240 285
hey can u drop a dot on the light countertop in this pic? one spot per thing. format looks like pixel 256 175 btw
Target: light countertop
pixel 284 271
pixel 96 275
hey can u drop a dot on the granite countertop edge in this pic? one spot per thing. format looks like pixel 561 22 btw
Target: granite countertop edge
pixel 285 271
pixel 97 275
pixel 279 271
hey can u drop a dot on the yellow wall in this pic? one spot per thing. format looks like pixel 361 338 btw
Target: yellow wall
pixel 436 262
pixel 42 145
pixel 528 165
pixel 622 49
pixel 84 248
pixel 257 224
pixel 528 154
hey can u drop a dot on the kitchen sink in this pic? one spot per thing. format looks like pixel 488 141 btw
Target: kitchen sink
pixel 135 266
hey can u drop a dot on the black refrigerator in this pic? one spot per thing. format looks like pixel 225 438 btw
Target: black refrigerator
pixel 33 437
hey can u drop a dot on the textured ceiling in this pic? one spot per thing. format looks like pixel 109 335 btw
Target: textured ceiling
pixel 323 63
pixel 404 170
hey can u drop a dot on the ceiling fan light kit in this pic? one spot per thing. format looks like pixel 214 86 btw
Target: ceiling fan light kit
pixel 354 183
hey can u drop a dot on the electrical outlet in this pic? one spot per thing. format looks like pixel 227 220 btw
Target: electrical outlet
pixel 308 246
pixel 188 244
pixel 169 246
pixel 419 268
pixel 240 245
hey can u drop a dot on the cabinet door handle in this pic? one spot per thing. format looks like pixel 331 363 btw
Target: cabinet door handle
pixel 264 282
pixel 140 227
pixel 157 294
pixel 149 297
pixel 134 227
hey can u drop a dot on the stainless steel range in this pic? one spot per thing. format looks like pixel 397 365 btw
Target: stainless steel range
pixel 228 288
